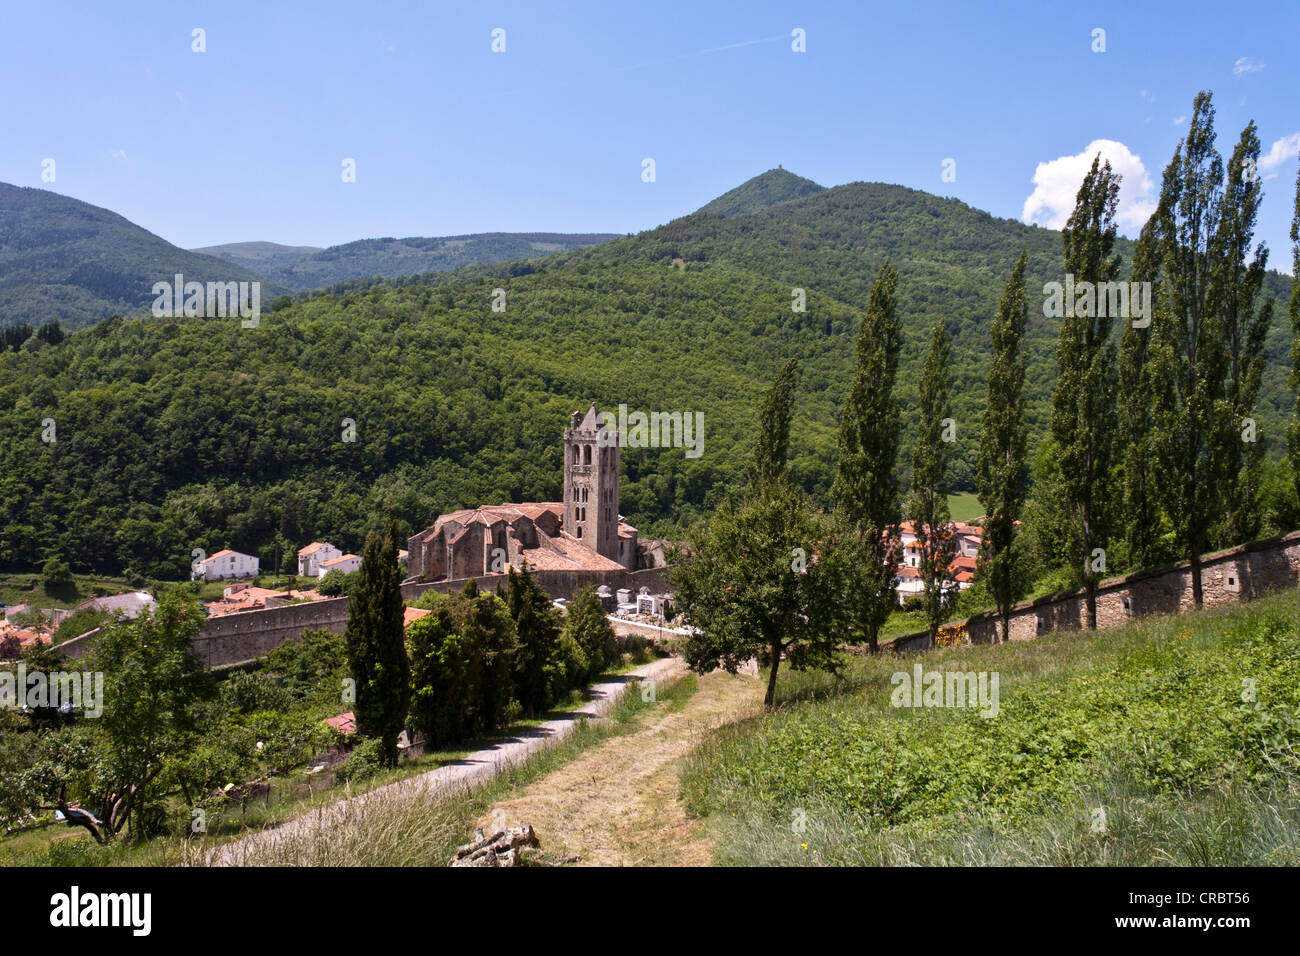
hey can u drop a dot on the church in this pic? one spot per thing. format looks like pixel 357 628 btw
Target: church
pixel 584 532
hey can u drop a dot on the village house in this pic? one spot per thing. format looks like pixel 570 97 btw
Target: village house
pixel 245 597
pixel 907 579
pixel 225 564
pixel 346 563
pixel 311 557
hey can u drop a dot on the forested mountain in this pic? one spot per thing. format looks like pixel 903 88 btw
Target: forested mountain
pixel 68 261
pixel 177 434
pixel 302 268
pixel 762 192
pixel 263 258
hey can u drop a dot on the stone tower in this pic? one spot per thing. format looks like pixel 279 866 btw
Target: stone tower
pixel 591 484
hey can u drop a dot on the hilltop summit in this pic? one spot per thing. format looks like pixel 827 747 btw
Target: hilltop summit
pixel 765 190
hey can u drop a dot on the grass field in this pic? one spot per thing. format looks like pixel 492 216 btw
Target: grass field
pixel 1135 746
pixel 964 506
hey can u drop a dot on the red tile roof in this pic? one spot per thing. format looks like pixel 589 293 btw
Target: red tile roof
pixel 410 614
pixel 346 724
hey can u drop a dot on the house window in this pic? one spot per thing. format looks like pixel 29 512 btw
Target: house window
pixel 1128 605
pixel 1232 582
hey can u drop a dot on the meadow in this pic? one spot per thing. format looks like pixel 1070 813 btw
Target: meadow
pixel 1171 741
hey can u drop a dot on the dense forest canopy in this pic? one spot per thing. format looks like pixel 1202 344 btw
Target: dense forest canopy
pixel 175 434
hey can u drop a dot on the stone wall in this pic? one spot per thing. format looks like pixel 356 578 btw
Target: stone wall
pixel 245 635
pixel 558 584
pixel 1238 574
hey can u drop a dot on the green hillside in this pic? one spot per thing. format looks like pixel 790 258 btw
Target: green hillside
pixel 263 258
pixel 68 261
pixel 177 434
pixel 762 192
pixel 302 268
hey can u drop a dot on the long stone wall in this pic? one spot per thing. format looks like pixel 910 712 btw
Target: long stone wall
pixel 246 635
pixel 249 634
pixel 558 584
pixel 1238 574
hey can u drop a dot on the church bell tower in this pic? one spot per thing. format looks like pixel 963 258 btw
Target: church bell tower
pixel 591 483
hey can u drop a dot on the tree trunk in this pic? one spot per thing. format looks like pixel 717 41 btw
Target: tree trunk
pixel 770 697
pixel 1196 577
pixel 1091 601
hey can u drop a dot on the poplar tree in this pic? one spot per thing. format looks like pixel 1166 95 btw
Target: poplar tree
pixel 375 643
pixel 773 447
pixel 936 539
pixel 1144 527
pixel 1003 473
pixel 1084 399
pixel 1237 285
pixel 866 491
pixel 1192 416
pixel 1294 309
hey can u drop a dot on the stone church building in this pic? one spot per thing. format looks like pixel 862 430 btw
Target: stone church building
pixel 584 532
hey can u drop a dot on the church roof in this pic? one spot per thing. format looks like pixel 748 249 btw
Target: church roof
pixel 488 515
pixel 566 554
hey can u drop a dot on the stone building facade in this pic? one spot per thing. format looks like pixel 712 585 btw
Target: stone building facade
pixel 584 532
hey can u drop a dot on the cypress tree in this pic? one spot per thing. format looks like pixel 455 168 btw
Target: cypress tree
pixel 376 646
pixel 866 491
pixel 936 539
pixel 1083 401
pixel 1002 469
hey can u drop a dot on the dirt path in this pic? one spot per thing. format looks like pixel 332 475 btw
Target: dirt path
pixel 476 768
pixel 617 804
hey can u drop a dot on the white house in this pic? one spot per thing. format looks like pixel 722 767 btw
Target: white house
pixel 346 563
pixel 311 557
pixel 226 564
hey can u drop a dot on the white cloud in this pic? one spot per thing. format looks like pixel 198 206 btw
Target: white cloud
pixel 1247 64
pixel 1180 120
pixel 1282 150
pixel 1057 181
pixel 119 154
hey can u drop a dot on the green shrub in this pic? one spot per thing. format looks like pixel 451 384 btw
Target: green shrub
pixel 366 760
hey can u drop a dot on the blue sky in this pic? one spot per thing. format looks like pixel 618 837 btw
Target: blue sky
pixel 246 140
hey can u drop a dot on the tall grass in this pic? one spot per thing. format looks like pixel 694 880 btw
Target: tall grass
pixel 1132 746
pixel 412 826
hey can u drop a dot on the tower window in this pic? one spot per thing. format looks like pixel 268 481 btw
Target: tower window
pixel 586 454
